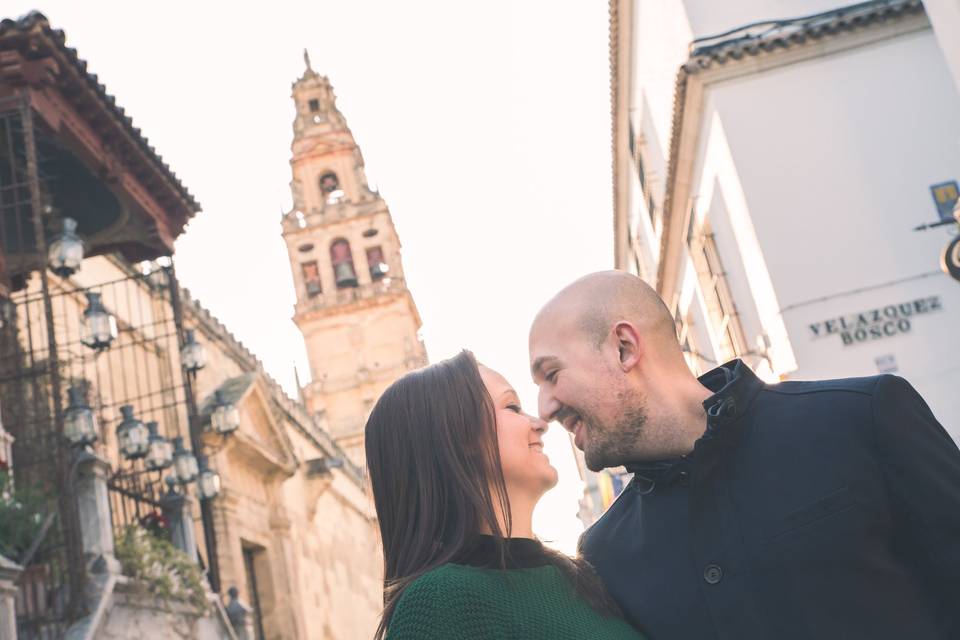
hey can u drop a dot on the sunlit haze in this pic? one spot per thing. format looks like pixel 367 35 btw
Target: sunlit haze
pixel 485 126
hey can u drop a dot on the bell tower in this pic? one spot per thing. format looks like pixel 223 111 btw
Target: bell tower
pixel 358 319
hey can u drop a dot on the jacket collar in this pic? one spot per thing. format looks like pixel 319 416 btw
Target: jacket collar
pixel 734 386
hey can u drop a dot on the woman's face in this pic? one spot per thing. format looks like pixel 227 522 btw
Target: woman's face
pixel 526 468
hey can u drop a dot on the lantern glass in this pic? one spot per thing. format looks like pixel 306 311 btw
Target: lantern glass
pixel 99 327
pixel 133 437
pixel 159 451
pixel 225 418
pixel 157 276
pixel 184 463
pixel 65 252
pixel 193 355
pixel 208 482
pixel 79 423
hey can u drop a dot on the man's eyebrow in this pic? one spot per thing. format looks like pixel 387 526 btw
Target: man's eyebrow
pixel 538 364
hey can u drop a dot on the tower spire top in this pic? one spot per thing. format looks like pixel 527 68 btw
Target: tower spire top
pixel 306 60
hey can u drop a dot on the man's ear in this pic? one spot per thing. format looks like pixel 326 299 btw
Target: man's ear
pixel 629 344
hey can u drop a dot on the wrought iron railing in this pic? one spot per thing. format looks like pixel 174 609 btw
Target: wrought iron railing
pixel 30 391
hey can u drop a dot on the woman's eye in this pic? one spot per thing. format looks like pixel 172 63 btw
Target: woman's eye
pixel 515 408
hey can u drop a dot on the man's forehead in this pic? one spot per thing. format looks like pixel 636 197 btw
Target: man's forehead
pixel 550 348
pixel 551 325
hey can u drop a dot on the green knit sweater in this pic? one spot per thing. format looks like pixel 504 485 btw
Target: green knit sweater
pixel 462 602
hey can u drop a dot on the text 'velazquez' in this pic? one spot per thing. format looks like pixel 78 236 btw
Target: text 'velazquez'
pixel 878 323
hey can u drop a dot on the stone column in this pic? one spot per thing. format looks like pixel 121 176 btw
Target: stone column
pixel 9 572
pixel 178 509
pixel 93 505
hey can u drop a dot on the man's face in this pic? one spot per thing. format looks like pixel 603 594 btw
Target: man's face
pixel 583 388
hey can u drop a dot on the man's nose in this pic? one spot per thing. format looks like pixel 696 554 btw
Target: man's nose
pixel 547 405
pixel 538 425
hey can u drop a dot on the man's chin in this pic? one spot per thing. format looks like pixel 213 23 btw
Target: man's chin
pixel 597 462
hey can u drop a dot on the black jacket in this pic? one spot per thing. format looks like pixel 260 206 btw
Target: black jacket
pixel 807 510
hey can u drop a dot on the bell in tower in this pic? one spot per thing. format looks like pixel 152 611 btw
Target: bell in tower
pixel 340 235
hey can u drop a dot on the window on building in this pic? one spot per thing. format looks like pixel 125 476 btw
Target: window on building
pixel 378 265
pixel 724 317
pixel 330 187
pixel 314 104
pixel 329 182
pixel 641 172
pixel 311 278
pixel 635 145
pixel 342 259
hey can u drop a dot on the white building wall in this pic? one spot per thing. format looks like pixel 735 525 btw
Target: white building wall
pixel 661 36
pixel 662 33
pixel 945 17
pixel 834 157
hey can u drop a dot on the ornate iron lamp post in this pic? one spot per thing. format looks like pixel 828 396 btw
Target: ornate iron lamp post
pixel 79 423
pixel 184 463
pixel 192 355
pixel 133 437
pixel 208 482
pixel 99 328
pixel 159 450
pixel 225 418
pixel 66 250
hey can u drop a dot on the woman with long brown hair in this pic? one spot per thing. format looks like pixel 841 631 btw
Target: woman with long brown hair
pixel 457 468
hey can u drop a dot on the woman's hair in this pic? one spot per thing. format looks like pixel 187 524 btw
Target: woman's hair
pixel 434 465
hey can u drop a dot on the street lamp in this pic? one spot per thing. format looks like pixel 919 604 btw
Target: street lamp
pixel 192 355
pixel 66 250
pixel 99 327
pixel 79 423
pixel 208 482
pixel 159 450
pixel 184 462
pixel 133 437
pixel 225 418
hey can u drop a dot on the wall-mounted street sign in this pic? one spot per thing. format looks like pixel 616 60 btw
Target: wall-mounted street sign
pixel 875 324
pixel 945 196
pixel 950 259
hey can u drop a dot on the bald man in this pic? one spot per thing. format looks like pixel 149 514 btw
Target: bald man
pixel 801 510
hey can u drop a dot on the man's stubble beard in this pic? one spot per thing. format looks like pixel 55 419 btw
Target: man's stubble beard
pixel 620 443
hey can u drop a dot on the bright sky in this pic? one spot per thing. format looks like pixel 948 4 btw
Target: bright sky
pixel 486 127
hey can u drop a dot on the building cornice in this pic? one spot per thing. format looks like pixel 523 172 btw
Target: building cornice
pixel 745 52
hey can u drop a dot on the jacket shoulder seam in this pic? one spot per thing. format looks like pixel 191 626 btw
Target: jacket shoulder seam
pixel 831 389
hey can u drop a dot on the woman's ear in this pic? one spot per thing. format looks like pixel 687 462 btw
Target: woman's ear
pixel 628 344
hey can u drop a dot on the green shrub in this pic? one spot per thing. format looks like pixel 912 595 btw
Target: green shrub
pixel 167 571
pixel 22 511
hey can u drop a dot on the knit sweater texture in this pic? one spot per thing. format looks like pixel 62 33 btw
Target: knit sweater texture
pixel 463 602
